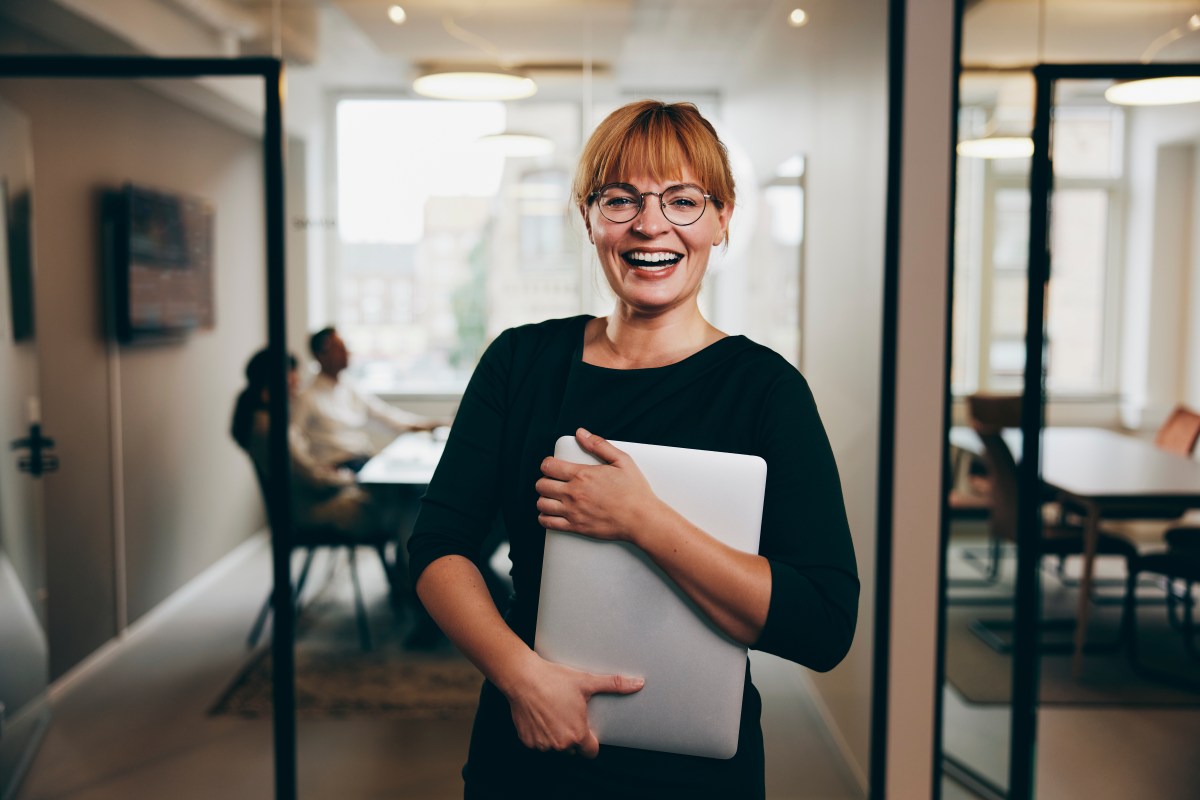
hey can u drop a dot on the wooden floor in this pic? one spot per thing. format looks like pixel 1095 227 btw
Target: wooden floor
pixel 134 723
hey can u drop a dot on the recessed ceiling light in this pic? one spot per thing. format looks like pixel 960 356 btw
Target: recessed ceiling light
pixel 1155 92
pixel 474 85
pixel 397 15
pixel 996 147
pixel 798 17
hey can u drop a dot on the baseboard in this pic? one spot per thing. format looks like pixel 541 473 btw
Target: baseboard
pixel 833 733
pixel 156 616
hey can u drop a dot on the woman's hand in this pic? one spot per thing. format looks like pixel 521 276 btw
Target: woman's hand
pixel 549 706
pixel 605 501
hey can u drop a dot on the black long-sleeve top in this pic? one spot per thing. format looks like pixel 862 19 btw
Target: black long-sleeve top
pixel 532 386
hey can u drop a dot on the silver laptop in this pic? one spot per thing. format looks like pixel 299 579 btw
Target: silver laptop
pixel 606 608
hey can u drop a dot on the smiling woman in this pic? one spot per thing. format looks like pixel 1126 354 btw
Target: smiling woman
pixel 654 371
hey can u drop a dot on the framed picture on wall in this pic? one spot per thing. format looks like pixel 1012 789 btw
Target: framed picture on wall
pixel 5 303
pixel 17 257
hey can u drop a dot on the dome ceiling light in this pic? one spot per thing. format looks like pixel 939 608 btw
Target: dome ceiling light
pixel 475 84
pixel 1155 92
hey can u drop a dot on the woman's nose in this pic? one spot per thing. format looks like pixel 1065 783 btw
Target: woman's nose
pixel 652 220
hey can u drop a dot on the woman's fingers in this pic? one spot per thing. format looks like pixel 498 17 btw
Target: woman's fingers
pixel 590 746
pixel 560 470
pixel 548 505
pixel 553 714
pixel 613 684
pixel 602 449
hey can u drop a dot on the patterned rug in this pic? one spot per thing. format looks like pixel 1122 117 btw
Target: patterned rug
pixel 336 678
pixel 384 685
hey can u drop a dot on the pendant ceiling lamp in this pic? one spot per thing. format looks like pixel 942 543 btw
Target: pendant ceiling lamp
pixel 474 84
pixel 485 83
pixel 996 147
pixel 1154 92
pixel 1007 132
pixel 1159 91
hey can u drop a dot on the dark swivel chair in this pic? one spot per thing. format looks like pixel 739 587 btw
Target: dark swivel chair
pixel 310 538
pixel 1179 563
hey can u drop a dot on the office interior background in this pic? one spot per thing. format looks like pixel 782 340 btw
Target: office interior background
pixel 421 242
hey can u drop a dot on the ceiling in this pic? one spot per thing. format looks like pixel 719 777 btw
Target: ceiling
pixel 1012 33
pixel 696 45
pixel 681 47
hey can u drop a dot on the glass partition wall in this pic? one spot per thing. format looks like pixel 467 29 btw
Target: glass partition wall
pixel 148 206
pixel 1072 347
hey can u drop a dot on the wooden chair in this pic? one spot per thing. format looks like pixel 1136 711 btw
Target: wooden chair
pixel 990 415
pixel 1180 432
pixel 310 538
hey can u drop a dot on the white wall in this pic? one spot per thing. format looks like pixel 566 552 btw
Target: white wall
pixel 1160 348
pixel 824 95
pixel 826 98
pixel 151 490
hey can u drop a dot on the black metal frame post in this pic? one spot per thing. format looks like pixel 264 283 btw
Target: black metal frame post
pixel 885 484
pixel 1023 727
pixel 271 72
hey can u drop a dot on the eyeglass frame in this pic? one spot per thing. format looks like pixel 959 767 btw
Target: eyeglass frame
pixel 641 196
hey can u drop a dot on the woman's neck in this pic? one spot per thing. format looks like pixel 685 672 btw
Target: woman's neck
pixel 625 340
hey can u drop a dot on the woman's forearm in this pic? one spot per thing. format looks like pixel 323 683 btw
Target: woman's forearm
pixel 732 587
pixel 455 595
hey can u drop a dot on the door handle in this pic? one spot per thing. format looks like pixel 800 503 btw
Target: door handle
pixel 37 460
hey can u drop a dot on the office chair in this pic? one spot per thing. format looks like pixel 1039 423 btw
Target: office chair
pixel 990 415
pixel 311 538
pixel 1179 563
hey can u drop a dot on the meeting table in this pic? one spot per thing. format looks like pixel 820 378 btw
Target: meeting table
pixel 1102 472
pixel 409 460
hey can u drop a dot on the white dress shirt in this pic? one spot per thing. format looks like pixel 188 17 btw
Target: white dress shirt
pixel 335 416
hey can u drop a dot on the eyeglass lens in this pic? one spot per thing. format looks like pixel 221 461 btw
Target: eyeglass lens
pixel 682 205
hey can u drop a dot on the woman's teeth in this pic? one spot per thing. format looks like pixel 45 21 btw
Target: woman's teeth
pixel 652 261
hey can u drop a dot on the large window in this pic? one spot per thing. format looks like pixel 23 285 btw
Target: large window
pixel 443 239
pixel 992 252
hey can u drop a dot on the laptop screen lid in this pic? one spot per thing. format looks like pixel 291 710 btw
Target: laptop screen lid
pixel 605 607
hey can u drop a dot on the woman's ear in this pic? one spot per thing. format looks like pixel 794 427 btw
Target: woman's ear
pixel 723 224
pixel 587 223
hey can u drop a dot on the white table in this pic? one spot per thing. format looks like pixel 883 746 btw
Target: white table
pixel 409 460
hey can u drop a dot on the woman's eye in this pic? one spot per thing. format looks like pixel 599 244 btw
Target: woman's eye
pixel 618 202
pixel 684 202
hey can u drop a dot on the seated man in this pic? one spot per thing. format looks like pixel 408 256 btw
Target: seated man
pixel 334 415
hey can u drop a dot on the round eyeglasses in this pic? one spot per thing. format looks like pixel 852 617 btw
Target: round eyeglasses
pixel 682 204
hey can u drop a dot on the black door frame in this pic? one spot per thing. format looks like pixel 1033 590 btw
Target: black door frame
pixel 271 71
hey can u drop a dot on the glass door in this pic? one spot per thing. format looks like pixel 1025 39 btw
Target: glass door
pixel 24 669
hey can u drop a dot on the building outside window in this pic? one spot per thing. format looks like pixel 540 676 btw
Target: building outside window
pixel 443 242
